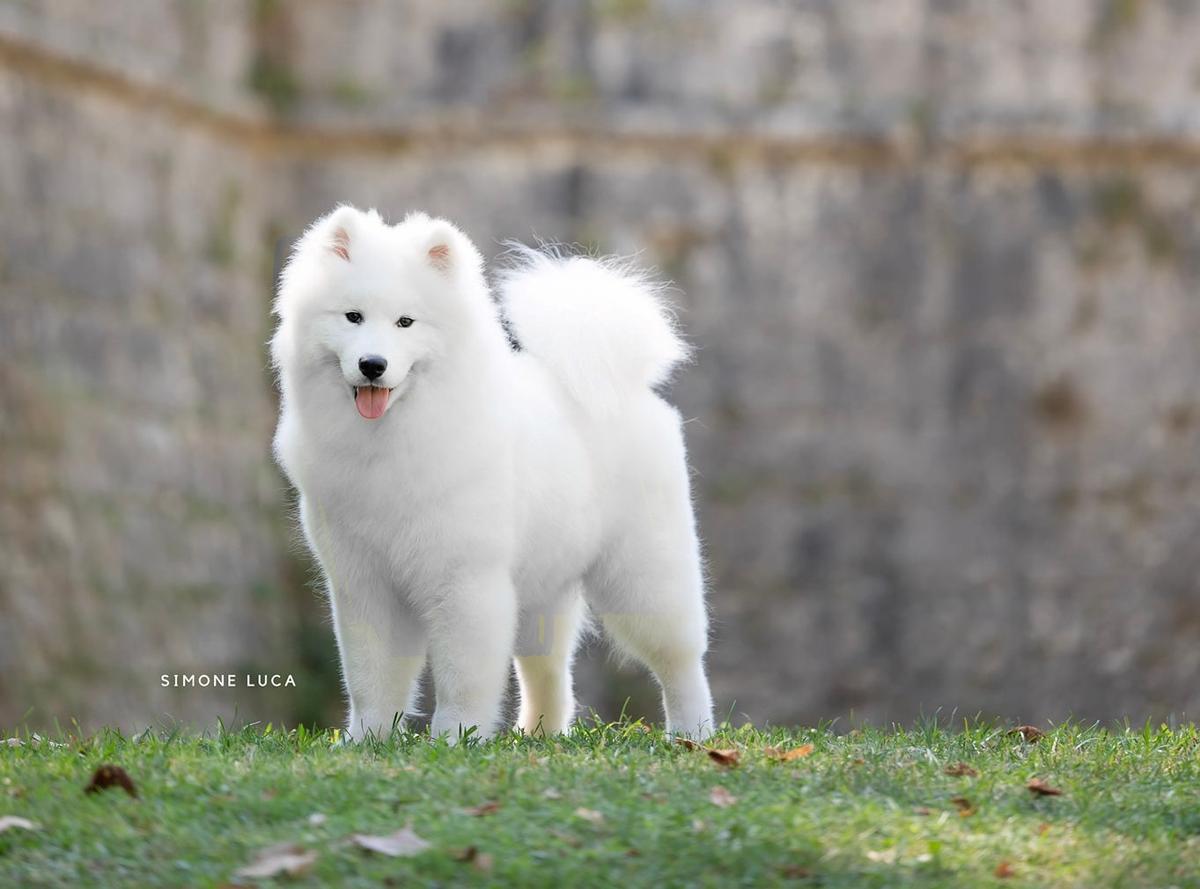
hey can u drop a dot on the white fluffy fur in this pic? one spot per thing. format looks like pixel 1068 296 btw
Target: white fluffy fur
pixel 602 328
pixel 502 493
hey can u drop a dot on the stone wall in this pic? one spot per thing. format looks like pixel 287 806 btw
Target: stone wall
pixel 938 257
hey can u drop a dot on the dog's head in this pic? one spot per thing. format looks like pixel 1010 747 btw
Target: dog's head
pixel 376 304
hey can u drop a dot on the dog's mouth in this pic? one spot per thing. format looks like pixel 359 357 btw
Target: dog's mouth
pixel 371 401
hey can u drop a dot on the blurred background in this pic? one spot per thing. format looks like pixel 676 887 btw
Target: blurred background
pixel 940 259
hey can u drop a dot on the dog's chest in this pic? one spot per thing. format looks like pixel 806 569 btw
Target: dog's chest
pixel 401 522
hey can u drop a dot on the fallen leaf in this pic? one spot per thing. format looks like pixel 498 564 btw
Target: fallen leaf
pixel 282 858
pixel 490 807
pixel 961 769
pixel 1038 787
pixel 1030 733
pixel 687 743
pixel 9 822
pixel 722 797
pixel 590 815
pixel 482 860
pixel 1004 870
pixel 858 762
pixel 794 872
pixel 778 753
pixel 1042 828
pixel 107 776
pixel 887 856
pixel 922 810
pixel 400 844
pixel 726 759
pixel 965 809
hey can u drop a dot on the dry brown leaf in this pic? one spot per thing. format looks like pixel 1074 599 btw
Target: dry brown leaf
pixel 1042 828
pixel 10 822
pixel 590 815
pixel 778 753
pixel 726 758
pixel 1004 870
pixel 922 810
pixel 687 743
pixel 400 844
pixel 961 769
pixel 482 860
pixel 722 797
pixel 1038 787
pixel 490 807
pixel 1030 733
pixel 795 872
pixel 107 776
pixel 282 858
pixel 965 809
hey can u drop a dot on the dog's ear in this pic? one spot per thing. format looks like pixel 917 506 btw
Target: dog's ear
pixel 441 245
pixel 447 248
pixel 338 230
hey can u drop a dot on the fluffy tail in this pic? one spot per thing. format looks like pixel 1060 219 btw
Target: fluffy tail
pixel 601 327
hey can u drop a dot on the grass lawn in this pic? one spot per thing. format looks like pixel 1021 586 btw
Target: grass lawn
pixel 613 805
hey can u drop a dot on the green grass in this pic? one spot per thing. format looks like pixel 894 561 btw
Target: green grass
pixel 867 808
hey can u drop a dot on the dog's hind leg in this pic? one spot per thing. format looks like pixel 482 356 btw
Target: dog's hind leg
pixel 648 592
pixel 546 642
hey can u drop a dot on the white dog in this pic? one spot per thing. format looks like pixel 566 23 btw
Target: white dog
pixel 466 497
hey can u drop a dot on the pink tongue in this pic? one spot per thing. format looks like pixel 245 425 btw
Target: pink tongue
pixel 371 401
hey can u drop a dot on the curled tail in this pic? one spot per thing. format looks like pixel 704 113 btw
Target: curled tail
pixel 602 328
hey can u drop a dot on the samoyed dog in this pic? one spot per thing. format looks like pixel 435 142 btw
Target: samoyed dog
pixel 470 499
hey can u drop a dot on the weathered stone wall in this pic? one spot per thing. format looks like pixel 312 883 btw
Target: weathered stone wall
pixel 939 259
pixel 140 519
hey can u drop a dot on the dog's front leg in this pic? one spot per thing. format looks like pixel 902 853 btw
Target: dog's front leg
pixel 471 632
pixel 382 649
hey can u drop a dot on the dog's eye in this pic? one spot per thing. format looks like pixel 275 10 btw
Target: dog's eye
pixel 404 321
pixel 354 317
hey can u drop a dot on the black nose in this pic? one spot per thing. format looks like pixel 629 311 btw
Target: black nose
pixel 372 366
